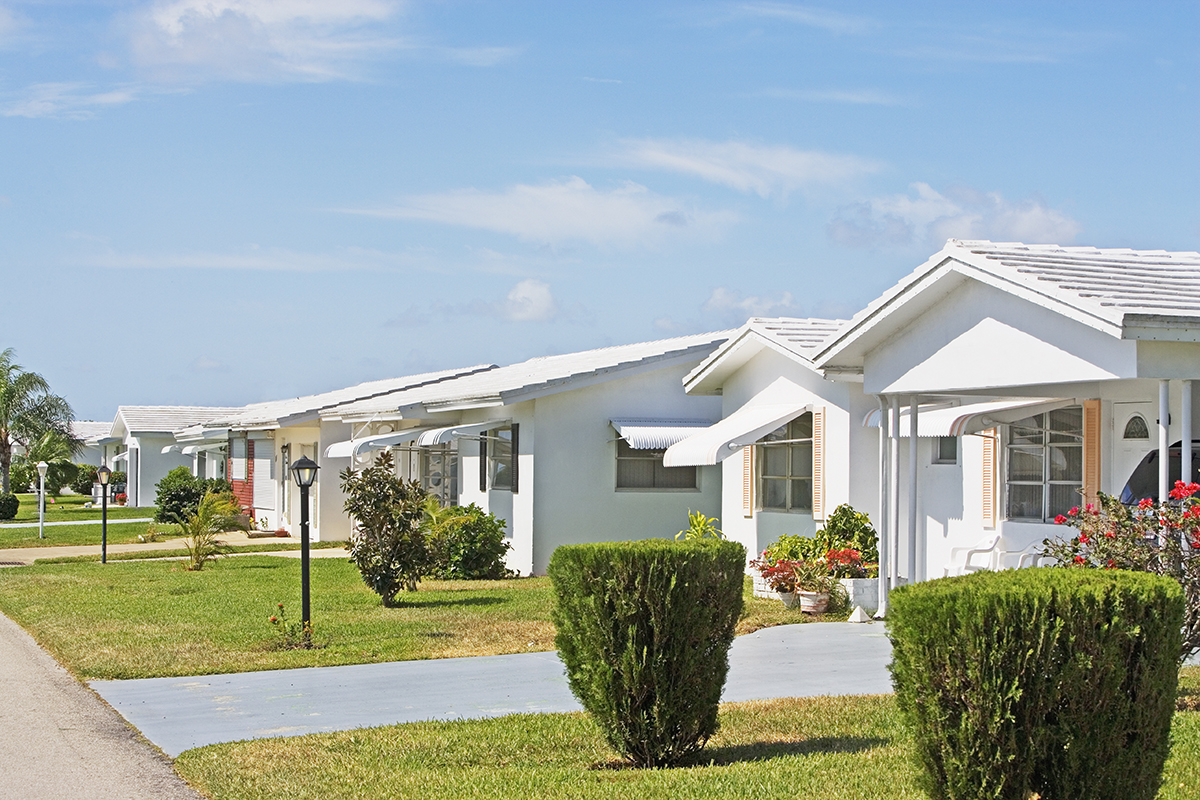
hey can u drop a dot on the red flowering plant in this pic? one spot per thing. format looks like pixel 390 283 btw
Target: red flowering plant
pixel 848 563
pixel 1162 538
pixel 780 575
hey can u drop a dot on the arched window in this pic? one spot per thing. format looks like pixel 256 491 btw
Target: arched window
pixel 1136 428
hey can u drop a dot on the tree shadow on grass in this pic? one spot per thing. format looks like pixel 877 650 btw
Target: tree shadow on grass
pixel 438 603
pixel 764 751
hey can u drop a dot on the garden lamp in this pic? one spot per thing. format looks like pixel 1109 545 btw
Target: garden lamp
pixel 102 475
pixel 304 469
pixel 42 466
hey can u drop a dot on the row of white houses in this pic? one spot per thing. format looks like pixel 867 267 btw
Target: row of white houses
pixel 993 388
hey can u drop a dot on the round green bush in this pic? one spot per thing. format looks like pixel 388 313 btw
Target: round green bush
pixel 9 504
pixel 1060 682
pixel 644 629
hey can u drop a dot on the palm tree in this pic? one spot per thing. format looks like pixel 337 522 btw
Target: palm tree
pixel 28 410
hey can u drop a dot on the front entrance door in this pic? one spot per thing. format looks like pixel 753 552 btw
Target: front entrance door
pixel 1134 426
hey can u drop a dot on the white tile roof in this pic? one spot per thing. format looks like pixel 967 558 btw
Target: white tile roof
pixel 801 336
pixel 535 377
pixel 89 431
pixel 1102 287
pixel 269 414
pixel 165 419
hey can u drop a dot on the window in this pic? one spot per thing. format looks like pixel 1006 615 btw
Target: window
pixel 501 466
pixel 785 467
pixel 1045 464
pixel 946 451
pixel 439 473
pixel 1137 428
pixel 643 469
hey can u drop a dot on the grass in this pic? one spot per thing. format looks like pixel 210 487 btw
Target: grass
pixel 145 555
pixel 69 507
pixel 822 748
pixel 119 532
pixel 142 619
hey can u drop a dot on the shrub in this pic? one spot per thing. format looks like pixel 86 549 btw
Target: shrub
pixel 9 505
pixel 84 479
pixel 644 629
pixel 850 529
pixel 179 493
pixel 21 477
pixel 465 543
pixel 1060 682
pixel 60 474
pixel 389 540
pixel 215 514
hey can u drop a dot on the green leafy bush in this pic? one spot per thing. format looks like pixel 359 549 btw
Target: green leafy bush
pixel 389 542
pixel 85 477
pixel 60 474
pixel 22 477
pixel 1060 682
pixel 644 629
pixel 846 529
pixel 9 505
pixel 465 543
pixel 179 493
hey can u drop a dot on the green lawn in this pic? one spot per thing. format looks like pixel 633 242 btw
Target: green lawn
pixel 119 532
pixel 152 619
pixel 69 507
pixel 839 748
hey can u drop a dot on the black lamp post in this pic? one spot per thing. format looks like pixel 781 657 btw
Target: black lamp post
pixel 305 472
pixel 102 475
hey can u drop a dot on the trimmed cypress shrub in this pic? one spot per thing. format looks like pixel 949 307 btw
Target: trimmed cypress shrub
pixel 644 629
pixel 10 504
pixel 1055 681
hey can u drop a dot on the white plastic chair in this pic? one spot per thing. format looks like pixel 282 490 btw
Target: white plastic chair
pixel 988 547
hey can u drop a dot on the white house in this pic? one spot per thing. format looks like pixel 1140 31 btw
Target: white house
pixel 90 433
pixel 1037 376
pixel 139 442
pixel 565 448
pixel 252 447
pixel 790 440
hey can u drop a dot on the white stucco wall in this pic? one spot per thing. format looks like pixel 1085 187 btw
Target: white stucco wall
pixel 148 465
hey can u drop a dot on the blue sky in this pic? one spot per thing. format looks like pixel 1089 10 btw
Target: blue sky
pixel 228 201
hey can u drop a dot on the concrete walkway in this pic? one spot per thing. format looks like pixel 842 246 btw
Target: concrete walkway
pixel 178 714
pixel 24 556
pixel 111 522
pixel 58 740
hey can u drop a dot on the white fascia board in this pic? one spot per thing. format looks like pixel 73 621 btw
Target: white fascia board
pixel 1161 328
pixel 710 377
pixel 698 381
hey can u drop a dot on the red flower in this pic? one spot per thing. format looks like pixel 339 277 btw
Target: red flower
pixel 1111 565
pixel 1083 538
pixel 1073 512
pixel 274 619
pixel 1145 503
pixel 1110 534
pixel 1078 559
pixel 1060 519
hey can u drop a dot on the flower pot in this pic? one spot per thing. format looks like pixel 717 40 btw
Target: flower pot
pixel 763 589
pixel 813 602
pixel 790 599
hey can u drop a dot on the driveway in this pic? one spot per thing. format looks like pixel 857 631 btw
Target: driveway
pixel 178 714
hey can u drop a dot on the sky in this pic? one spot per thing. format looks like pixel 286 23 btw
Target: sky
pixel 220 202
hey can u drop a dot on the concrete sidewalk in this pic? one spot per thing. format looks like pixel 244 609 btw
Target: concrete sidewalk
pixel 111 522
pixel 58 740
pixel 178 714
pixel 24 556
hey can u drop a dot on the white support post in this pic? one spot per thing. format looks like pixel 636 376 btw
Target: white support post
pixel 894 494
pixel 912 488
pixel 884 504
pixel 1164 441
pixel 1186 473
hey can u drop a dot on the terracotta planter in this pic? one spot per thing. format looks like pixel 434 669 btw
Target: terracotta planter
pixel 813 602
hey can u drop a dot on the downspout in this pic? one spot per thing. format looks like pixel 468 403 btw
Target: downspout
pixel 1164 452
pixel 894 494
pixel 1186 473
pixel 884 556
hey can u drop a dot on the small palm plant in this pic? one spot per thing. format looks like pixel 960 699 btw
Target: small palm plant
pixel 216 514
pixel 700 527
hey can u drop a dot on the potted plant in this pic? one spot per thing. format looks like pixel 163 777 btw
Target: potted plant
pixel 859 578
pixel 780 576
pixel 814 584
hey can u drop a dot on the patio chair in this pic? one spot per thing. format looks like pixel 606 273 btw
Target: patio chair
pixel 988 548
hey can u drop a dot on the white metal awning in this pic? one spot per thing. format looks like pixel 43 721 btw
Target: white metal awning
pixel 442 435
pixel 121 457
pixel 192 449
pixel 942 420
pixel 356 447
pixel 780 402
pixel 172 448
pixel 656 434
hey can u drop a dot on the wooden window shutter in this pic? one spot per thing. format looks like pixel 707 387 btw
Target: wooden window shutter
pixel 989 477
pixel 818 494
pixel 483 462
pixel 1091 451
pixel 748 481
pixel 516 430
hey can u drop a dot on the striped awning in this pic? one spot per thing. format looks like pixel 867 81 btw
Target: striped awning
pixel 656 434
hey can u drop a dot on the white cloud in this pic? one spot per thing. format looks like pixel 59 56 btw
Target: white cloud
pixel 8 23
pixel 530 301
pixel 65 100
pixel 857 97
pixel 732 308
pixel 831 21
pixel 762 169
pixel 206 364
pixel 260 39
pixel 261 259
pixel 563 210
pixel 927 217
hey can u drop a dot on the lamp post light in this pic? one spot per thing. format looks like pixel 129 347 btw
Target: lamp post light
pixel 305 472
pixel 42 466
pixel 102 475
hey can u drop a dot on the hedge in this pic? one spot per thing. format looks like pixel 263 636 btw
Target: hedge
pixel 1060 682
pixel 644 629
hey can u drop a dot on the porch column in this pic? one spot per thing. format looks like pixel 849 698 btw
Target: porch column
pixel 1186 473
pixel 912 488
pixel 884 504
pixel 1164 444
pixel 894 493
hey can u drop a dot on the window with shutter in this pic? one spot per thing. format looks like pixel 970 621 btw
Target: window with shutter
pixel 1091 451
pixel 785 467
